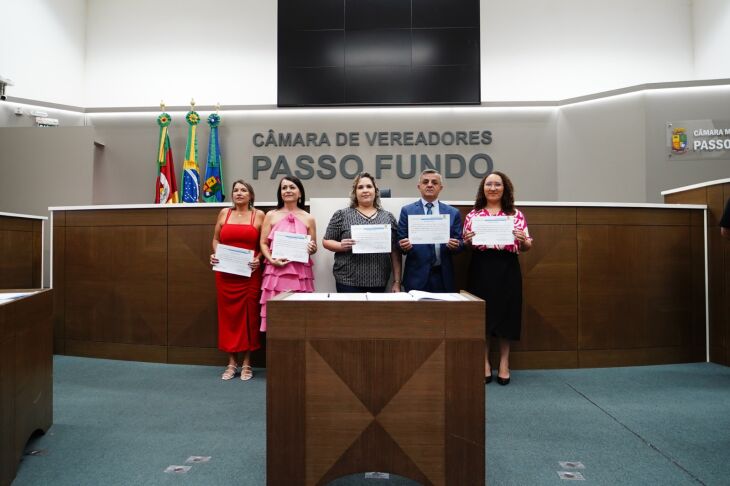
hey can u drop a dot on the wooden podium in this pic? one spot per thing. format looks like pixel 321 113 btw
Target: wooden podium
pixel 361 386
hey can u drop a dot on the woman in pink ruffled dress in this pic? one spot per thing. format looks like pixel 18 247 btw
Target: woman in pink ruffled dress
pixel 281 275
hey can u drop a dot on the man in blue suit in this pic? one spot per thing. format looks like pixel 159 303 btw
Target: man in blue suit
pixel 429 267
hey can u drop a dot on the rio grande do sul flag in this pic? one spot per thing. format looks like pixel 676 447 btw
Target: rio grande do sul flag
pixel 166 191
pixel 191 172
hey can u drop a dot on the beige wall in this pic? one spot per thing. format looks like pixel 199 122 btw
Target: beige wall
pixel 523 146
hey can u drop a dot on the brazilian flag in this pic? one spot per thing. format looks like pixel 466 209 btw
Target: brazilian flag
pixel 191 172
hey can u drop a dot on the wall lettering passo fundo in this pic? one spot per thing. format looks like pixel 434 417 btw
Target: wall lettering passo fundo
pixel 451 163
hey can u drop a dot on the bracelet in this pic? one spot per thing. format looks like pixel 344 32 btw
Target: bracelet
pixel 396 281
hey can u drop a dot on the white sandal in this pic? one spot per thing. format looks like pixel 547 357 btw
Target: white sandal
pixel 246 372
pixel 230 372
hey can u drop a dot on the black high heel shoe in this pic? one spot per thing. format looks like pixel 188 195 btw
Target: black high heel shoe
pixel 503 381
pixel 487 379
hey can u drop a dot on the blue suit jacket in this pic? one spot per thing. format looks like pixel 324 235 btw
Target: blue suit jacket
pixel 418 260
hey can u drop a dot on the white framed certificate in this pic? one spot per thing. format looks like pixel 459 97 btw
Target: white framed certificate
pixel 233 260
pixel 291 246
pixel 493 230
pixel 428 229
pixel 371 238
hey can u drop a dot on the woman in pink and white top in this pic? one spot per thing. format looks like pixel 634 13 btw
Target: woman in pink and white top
pixel 494 271
pixel 281 275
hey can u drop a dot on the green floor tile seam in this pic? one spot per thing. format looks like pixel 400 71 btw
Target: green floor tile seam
pixel 639 436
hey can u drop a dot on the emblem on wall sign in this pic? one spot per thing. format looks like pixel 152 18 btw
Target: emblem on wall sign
pixel 679 141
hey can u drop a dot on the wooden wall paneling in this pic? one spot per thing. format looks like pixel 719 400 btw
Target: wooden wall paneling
pixel 116 288
pixel 16 253
pixel 724 318
pixel 59 281
pixel 374 326
pixel 193 217
pixel 115 350
pixel 625 302
pixel 26 371
pixel 719 332
pixel 632 216
pixel 697 332
pixel 37 265
pixel 465 444
pixel 693 196
pixel 34 366
pixel 285 388
pixel 598 358
pixel 550 290
pixel 192 315
pixel 537 360
pixel 8 456
pixel 542 215
pixel 200 356
pixel 669 286
pixel 117 217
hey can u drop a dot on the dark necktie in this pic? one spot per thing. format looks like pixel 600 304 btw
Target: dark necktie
pixel 434 248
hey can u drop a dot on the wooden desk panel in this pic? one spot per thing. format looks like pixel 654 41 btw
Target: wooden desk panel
pixel 116 284
pixel 20 252
pixel 155 297
pixel 625 303
pixel 26 372
pixel 192 317
pixel 407 399
pixel 714 196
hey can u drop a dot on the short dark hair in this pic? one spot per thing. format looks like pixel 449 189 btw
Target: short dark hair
pixel 248 187
pixel 508 196
pixel 298 183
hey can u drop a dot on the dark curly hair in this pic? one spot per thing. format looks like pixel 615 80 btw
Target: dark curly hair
pixel 508 196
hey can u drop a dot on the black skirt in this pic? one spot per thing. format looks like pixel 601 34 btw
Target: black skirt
pixel 495 276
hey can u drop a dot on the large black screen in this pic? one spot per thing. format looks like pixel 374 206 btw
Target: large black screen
pixel 378 52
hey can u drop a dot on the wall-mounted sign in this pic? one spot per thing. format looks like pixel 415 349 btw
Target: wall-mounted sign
pixel 403 154
pixel 698 139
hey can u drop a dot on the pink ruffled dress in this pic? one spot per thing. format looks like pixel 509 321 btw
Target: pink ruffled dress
pixel 294 276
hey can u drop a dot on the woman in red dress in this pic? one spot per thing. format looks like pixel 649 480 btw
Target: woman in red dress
pixel 238 296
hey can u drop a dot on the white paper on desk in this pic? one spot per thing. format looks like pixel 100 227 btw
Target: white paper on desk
pixel 371 238
pixel 390 297
pixel 308 296
pixel 291 246
pixel 493 230
pixel 233 260
pixel 446 296
pixel 428 228
pixel 357 296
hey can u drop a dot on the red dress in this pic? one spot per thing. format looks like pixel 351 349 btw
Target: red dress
pixel 238 297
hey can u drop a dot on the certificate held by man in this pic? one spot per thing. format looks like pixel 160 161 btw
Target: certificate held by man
pixel 428 229
pixel 291 246
pixel 493 230
pixel 233 260
pixel 371 238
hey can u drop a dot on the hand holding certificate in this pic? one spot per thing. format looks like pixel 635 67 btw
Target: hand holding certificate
pixel 493 230
pixel 371 238
pixel 233 260
pixel 428 229
pixel 293 247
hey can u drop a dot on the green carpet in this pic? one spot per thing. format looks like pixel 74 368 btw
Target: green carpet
pixel 123 423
